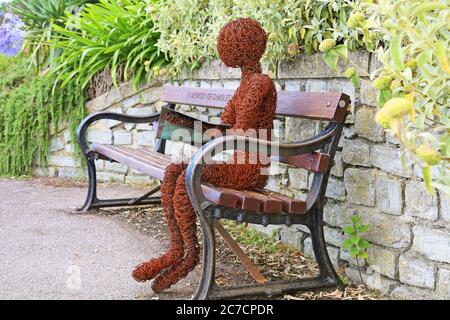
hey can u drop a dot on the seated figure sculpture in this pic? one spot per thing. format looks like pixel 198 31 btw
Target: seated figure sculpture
pixel 241 44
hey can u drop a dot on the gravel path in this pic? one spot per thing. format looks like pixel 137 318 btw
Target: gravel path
pixel 49 252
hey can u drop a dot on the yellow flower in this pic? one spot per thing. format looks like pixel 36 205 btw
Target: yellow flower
pixel 155 71
pixel 383 118
pixel 411 64
pixel 327 45
pixel 162 72
pixel 355 20
pixel 382 82
pixel 146 65
pixel 398 107
pixel 427 154
pixel 272 36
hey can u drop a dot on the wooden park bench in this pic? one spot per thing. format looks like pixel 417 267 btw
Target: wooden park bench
pixel 258 207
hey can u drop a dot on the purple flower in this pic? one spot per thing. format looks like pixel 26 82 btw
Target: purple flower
pixel 11 33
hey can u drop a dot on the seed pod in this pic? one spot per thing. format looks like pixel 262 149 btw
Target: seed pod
pixel 427 154
pixel 355 20
pixel 293 49
pixel 383 118
pixel 398 107
pixel 327 45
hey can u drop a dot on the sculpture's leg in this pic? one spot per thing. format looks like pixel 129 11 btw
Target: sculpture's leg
pixel 148 270
pixel 91 197
pixel 327 271
pixel 186 219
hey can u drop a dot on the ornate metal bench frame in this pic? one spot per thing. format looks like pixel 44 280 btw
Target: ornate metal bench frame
pixel 209 213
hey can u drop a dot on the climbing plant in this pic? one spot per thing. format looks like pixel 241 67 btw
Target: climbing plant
pixel 27 110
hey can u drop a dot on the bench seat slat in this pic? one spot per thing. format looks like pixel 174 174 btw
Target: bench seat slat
pixel 154 164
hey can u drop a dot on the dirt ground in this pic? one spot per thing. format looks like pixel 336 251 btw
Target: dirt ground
pixel 50 252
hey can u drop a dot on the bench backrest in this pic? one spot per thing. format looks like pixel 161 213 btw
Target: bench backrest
pixel 330 106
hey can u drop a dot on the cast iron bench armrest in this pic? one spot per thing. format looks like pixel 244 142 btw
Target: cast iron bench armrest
pixel 84 125
pixel 235 142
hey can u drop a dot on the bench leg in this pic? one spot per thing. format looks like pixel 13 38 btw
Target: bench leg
pixel 326 269
pixel 209 260
pixel 92 201
pixel 91 197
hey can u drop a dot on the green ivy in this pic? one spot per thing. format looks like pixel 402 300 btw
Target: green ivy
pixel 27 107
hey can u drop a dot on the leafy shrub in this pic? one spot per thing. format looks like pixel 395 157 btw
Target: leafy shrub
pixel 189 33
pixel 413 82
pixel 26 110
pixel 107 35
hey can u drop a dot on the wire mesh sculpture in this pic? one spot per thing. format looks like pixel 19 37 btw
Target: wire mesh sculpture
pixel 241 44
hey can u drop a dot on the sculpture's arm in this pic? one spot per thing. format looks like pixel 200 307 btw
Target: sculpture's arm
pixel 205 154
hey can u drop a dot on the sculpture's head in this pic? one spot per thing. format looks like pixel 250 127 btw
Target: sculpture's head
pixel 241 43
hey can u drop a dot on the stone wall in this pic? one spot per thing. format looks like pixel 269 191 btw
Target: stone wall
pixel 409 228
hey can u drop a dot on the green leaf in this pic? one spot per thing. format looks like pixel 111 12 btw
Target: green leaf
pixel 356 219
pixel 347 244
pixel 426 172
pixel 354 252
pixel 423 59
pixel 421 9
pixel 363 255
pixel 363 244
pixel 396 52
pixel 363 228
pixel 384 96
pixel 331 59
pixel 348 229
pixel 355 239
pixel 355 80
pixel 342 51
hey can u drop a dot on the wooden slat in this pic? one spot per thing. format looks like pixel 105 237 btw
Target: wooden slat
pixel 311 105
pixel 314 161
pixel 221 198
pixel 245 202
pixel 154 164
pixel 269 204
pixel 290 205
pixel 155 167
pixel 246 262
